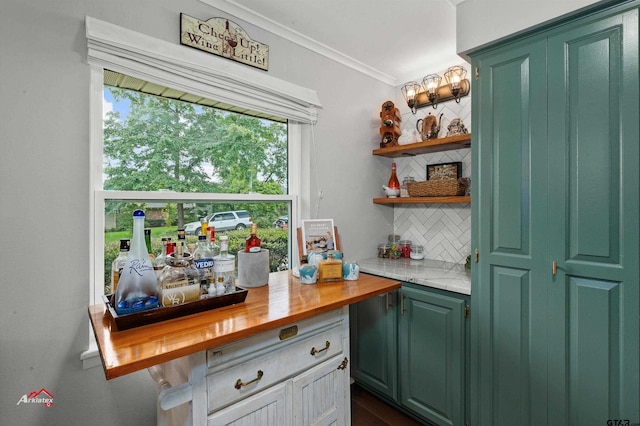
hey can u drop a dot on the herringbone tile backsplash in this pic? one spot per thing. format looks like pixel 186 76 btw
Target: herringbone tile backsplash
pixel 443 229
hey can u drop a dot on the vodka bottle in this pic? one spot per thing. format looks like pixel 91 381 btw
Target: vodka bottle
pixel 224 268
pixel 118 263
pixel 252 243
pixel 137 287
pixel 203 261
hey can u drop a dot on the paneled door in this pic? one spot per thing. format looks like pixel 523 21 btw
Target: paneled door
pixel 555 299
pixel 593 222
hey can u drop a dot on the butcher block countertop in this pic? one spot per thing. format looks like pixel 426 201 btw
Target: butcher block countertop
pixel 282 302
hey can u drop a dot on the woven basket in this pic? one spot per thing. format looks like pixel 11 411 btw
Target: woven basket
pixel 437 188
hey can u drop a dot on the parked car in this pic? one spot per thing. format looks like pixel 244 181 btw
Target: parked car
pixel 223 221
pixel 281 222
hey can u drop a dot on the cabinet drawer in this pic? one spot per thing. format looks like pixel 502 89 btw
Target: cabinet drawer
pixel 238 380
pixel 227 356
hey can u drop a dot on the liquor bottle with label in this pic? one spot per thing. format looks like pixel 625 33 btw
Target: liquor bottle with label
pixel 252 243
pixel 224 266
pixel 118 263
pixel 203 261
pixel 138 285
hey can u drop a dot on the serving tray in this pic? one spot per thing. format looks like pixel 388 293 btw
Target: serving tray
pixel 125 322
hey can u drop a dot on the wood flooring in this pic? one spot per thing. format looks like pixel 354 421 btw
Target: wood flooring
pixel 367 410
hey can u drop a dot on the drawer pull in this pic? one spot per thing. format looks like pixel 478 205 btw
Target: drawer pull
pixel 239 383
pixel 343 364
pixel 317 351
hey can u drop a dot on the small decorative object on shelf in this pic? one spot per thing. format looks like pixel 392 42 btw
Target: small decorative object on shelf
pixel 390 127
pixel 392 189
pixel 430 127
pixel 456 127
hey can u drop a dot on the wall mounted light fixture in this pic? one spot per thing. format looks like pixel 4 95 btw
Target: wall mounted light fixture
pixel 410 92
pixel 432 93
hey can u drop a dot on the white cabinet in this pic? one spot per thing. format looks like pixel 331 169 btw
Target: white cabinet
pixel 295 375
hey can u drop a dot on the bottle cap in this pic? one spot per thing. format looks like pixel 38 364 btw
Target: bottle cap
pixel 138 213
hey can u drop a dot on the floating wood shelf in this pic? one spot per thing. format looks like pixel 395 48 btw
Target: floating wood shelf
pixel 422 200
pixel 433 145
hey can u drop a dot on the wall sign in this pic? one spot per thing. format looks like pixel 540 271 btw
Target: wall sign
pixel 223 37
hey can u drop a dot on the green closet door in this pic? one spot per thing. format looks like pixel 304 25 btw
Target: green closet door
pixel 593 218
pixel 508 359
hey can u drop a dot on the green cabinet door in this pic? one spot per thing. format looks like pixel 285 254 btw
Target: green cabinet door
pixel 555 331
pixel 593 221
pixel 373 328
pixel 509 300
pixel 431 355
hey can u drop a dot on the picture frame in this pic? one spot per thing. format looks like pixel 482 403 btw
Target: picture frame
pixel 443 171
pixel 318 236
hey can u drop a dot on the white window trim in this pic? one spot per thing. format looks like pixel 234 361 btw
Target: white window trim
pixel 138 55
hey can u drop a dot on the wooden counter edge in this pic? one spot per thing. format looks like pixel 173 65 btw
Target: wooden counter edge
pixel 97 314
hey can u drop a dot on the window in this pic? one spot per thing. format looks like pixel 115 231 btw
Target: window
pixel 153 143
pixel 232 86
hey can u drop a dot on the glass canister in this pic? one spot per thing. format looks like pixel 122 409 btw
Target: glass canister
pixel 417 252
pixel 383 250
pixel 405 248
pixel 393 239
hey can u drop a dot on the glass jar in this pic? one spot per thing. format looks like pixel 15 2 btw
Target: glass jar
pixel 393 239
pixel 404 189
pixel 417 252
pixel 383 250
pixel 405 248
pixel 394 251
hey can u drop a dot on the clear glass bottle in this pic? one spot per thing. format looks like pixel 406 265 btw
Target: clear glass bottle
pixel 138 285
pixel 181 246
pixel 252 243
pixel 118 263
pixel 213 247
pixel 160 261
pixel 203 261
pixel 224 266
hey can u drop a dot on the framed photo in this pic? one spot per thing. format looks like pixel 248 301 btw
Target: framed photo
pixel 317 236
pixel 444 171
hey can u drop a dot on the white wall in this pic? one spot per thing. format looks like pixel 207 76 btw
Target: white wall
pixel 44 194
pixel 479 22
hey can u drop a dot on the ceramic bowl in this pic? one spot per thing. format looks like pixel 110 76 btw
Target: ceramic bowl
pixel 391 193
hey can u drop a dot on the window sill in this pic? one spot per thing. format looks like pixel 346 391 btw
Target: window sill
pixel 91 357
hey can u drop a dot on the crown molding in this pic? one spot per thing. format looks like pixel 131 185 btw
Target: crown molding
pixel 247 15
